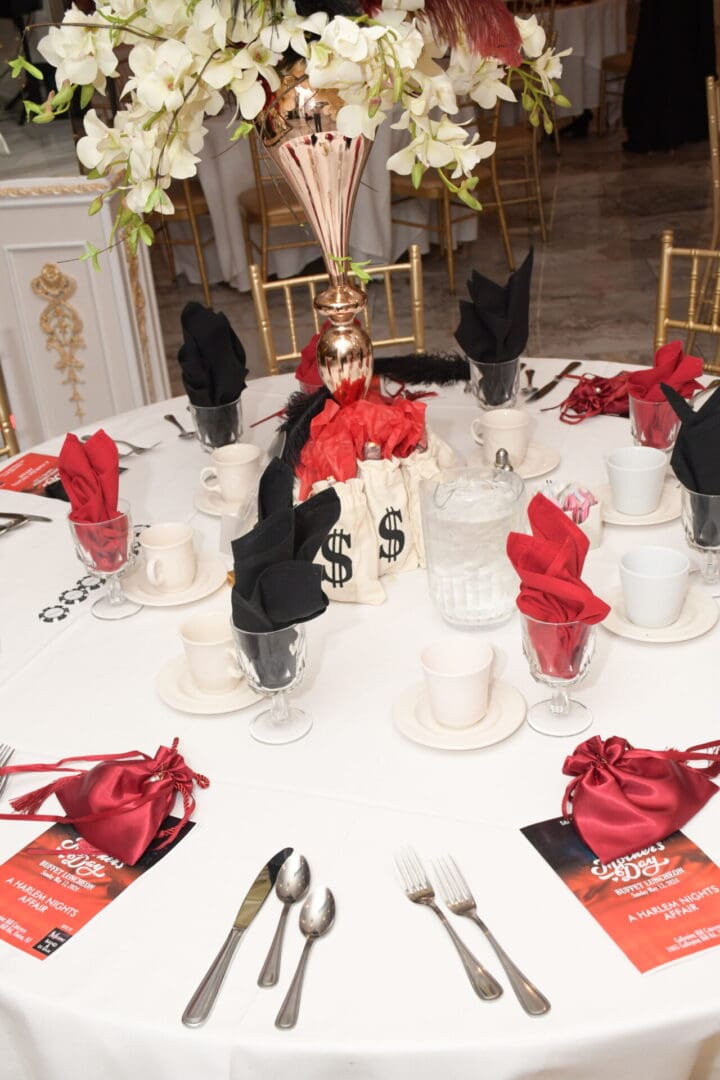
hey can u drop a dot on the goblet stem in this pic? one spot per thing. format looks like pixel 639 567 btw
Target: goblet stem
pixel 279 708
pixel 711 569
pixel 559 702
pixel 116 595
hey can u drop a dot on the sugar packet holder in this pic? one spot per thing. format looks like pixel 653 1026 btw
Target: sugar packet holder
pixel 580 505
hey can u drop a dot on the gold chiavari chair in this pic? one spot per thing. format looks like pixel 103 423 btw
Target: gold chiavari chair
pixel 8 438
pixel 712 89
pixel 697 263
pixel 190 204
pixel 514 171
pixel 387 330
pixel 270 205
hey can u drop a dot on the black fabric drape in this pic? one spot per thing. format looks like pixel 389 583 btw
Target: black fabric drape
pixel 664 99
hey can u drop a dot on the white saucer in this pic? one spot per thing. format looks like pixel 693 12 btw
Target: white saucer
pixel 211 502
pixel 538 460
pixel 211 574
pixel 506 712
pixel 177 689
pixel 699 614
pixel 667 510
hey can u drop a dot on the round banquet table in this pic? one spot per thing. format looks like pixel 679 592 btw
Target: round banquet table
pixel 593 31
pixel 385 996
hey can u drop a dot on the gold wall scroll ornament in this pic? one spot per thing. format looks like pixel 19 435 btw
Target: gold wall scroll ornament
pixel 62 326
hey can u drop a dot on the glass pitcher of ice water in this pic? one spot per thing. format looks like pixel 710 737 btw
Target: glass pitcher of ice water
pixel 466 516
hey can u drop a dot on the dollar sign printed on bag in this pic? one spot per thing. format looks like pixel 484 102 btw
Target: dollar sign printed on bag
pixel 389 530
pixel 340 569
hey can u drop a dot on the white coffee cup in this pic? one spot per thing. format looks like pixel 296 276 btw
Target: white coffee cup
pixel 234 472
pixel 170 561
pixel 637 476
pixel 654 583
pixel 207 639
pixel 457 675
pixel 507 429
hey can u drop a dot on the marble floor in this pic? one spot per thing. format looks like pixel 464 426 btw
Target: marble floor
pixel 595 280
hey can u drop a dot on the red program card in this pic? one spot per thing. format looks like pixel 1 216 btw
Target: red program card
pixel 658 904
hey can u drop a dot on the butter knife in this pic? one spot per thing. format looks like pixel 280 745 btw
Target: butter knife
pixel 543 390
pixel 203 999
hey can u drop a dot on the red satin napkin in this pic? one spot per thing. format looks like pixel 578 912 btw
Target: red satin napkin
pixel 338 436
pixel 90 475
pixel 306 372
pixel 549 564
pixel 671 367
pixel 623 799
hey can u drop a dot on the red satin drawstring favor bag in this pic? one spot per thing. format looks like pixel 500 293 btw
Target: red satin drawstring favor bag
pixel 120 804
pixel 624 799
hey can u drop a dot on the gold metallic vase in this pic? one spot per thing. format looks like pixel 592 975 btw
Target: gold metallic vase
pixel 323 168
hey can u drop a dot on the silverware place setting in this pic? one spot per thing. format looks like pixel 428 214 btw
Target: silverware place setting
pixel 541 391
pixel 131 450
pixel 291 886
pixel 317 916
pixel 10 521
pixel 184 433
pixel 460 901
pixel 202 1001
pixel 418 889
pixel 6 752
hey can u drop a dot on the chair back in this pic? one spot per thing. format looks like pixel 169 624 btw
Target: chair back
pixel 712 87
pixel 268 176
pixel 8 438
pixel 290 301
pixel 682 272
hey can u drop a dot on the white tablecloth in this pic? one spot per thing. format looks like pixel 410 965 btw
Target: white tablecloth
pixel 226 170
pixel 593 31
pixel 385 996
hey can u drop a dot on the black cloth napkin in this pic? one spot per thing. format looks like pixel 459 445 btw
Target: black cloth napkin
pixel 695 461
pixel 696 455
pixel 212 359
pixel 276 582
pixel 494 326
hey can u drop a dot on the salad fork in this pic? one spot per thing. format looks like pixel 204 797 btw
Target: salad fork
pixel 6 752
pixel 460 901
pixel 419 890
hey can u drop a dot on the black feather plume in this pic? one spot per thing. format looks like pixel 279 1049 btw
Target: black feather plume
pixel 300 410
pixel 424 369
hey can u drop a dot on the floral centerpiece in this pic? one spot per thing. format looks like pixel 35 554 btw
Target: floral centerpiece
pixel 409 61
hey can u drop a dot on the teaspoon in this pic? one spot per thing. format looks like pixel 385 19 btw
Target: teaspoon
pixel 316 917
pixel 291 885
pixel 529 375
pixel 184 433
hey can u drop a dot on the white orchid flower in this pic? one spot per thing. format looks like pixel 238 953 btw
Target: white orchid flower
pixel 438 145
pixel 549 67
pixel 159 74
pixel 532 35
pixel 81 56
pixel 350 40
pixel 289 32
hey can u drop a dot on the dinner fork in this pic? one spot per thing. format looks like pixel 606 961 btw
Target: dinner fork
pixel 418 889
pixel 6 752
pixel 131 447
pixel 460 901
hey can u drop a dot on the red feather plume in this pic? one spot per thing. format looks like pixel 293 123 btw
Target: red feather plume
pixel 486 26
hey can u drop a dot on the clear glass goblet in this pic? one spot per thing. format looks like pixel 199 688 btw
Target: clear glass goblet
pixel 105 549
pixel 559 656
pixel 700 515
pixel 653 423
pixel 274 664
pixel 217 425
